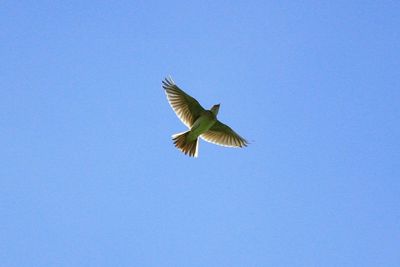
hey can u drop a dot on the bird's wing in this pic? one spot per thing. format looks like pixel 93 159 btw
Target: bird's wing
pixel 186 107
pixel 223 135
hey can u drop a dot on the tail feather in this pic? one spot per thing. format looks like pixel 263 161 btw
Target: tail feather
pixel 188 147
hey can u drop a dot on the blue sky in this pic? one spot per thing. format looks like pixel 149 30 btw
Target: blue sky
pixel 89 175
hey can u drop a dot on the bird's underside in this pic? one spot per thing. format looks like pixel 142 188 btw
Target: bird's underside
pixel 201 122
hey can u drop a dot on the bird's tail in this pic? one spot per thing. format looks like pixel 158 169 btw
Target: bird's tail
pixel 188 147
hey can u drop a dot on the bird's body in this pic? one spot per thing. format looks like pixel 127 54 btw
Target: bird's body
pixel 201 122
pixel 206 120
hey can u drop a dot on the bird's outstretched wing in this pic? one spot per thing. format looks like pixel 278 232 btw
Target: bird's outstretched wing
pixel 223 135
pixel 186 107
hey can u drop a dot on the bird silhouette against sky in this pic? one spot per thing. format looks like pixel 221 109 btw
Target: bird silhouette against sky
pixel 201 122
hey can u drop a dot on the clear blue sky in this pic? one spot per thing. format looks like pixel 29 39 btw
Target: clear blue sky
pixel 89 175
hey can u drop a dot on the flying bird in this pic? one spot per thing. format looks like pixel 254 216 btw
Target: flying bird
pixel 201 122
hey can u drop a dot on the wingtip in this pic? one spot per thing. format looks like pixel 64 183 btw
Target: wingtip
pixel 246 143
pixel 168 80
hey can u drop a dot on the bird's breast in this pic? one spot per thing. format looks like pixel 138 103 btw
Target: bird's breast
pixel 201 125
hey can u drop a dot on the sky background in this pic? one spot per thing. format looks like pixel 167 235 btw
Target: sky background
pixel 89 175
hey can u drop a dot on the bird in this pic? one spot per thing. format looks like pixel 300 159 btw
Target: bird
pixel 201 122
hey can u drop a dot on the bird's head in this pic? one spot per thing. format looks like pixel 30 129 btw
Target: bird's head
pixel 215 109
